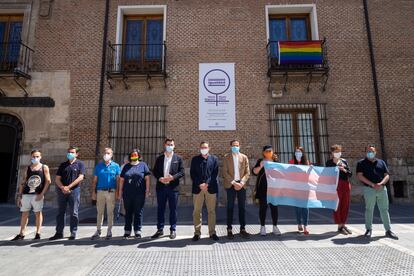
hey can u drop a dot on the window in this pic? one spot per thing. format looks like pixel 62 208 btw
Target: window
pixel 400 189
pixel 10 35
pixel 143 43
pixel 299 125
pixel 289 27
pixel 140 127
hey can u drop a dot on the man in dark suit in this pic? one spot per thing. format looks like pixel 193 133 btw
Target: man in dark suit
pixel 168 170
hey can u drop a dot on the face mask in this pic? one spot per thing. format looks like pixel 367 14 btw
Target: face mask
pixel 371 155
pixel 70 156
pixel 268 154
pixel 35 160
pixel 298 155
pixel 134 162
pixel 337 154
pixel 107 157
pixel 204 151
pixel 235 149
pixel 169 148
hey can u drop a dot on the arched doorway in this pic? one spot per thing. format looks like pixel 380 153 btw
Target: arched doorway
pixel 11 131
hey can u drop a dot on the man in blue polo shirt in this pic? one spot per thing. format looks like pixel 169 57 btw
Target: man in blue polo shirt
pixel 69 177
pixel 374 174
pixel 104 185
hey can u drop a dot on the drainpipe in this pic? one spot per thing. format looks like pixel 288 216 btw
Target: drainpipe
pixel 376 91
pixel 102 81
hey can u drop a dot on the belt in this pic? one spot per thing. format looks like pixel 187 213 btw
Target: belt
pixel 107 190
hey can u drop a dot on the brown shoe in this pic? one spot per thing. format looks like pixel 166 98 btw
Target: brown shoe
pixel 244 234
pixel 230 234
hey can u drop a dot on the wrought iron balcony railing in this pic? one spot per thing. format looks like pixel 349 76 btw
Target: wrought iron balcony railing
pixel 15 59
pixel 136 59
pixel 297 56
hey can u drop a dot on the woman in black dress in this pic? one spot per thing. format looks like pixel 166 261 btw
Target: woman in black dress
pixel 261 191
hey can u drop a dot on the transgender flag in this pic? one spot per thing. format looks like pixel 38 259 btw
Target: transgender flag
pixel 302 186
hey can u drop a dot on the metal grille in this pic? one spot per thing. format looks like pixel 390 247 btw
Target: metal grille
pixel 141 127
pixel 299 125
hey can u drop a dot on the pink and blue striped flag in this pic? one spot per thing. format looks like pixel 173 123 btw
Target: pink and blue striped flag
pixel 302 186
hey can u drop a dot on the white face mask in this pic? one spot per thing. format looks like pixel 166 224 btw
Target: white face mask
pixel 134 162
pixel 298 155
pixel 204 151
pixel 107 157
pixel 337 154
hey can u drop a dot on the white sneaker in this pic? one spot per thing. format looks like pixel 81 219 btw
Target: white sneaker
pixel 263 230
pixel 276 231
pixel 96 235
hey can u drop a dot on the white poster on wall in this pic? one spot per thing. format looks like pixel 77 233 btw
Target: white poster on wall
pixel 217 100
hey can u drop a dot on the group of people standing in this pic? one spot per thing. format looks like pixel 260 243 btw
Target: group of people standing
pixel 130 183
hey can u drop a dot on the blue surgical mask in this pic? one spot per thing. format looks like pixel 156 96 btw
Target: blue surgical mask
pixel 370 155
pixel 298 155
pixel 35 160
pixel 70 156
pixel 235 149
pixel 169 148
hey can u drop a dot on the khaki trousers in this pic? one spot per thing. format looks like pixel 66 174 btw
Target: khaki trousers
pixel 198 200
pixel 105 198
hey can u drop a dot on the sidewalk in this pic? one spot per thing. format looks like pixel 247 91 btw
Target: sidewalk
pixel 323 252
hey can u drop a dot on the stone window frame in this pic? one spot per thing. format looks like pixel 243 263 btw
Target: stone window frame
pixel 294 9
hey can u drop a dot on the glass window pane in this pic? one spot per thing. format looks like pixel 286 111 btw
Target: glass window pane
pixel 306 135
pixel 277 31
pixel 133 39
pixel 14 42
pixel 154 39
pixel 298 29
pixel 284 136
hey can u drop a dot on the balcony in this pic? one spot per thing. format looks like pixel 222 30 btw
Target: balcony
pixel 15 62
pixel 135 60
pixel 298 58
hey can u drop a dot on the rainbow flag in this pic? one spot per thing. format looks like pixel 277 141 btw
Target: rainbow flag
pixel 300 52
pixel 302 186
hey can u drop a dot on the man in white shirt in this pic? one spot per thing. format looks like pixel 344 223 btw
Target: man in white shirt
pixel 236 173
pixel 168 170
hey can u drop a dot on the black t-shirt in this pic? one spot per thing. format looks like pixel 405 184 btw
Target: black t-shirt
pixel 261 182
pixel 134 179
pixel 69 172
pixel 35 181
pixel 373 171
pixel 342 175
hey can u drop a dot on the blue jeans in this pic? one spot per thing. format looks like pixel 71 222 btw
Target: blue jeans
pixel 241 202
pixel 302 216
pixel 73 199
pixel 164 195
pixel 134 211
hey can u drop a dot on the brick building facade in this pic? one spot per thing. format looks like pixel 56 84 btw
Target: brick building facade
pixel 148 96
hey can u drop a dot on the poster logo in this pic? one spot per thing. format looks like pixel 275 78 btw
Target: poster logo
pixel 216 82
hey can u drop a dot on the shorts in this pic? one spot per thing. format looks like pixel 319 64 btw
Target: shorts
pixel 29 201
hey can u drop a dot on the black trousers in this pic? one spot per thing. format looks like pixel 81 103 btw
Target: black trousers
pixel 262 212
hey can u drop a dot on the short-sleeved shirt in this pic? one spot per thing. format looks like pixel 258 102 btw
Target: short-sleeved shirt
pixel 374 171
pixel 134 179
pixel 69 172
pixel 107 175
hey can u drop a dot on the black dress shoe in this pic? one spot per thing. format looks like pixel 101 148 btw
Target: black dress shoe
pixel 173 235
pixel 214 237
pixel 230 234
pixel 18 238
pixel 72 237
pixel 157 234
pixel 244 234
pixel 126 236
pixel 37 237
pixel 57 236
pixel 391 235
pixel 196 237
pixel 368 233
